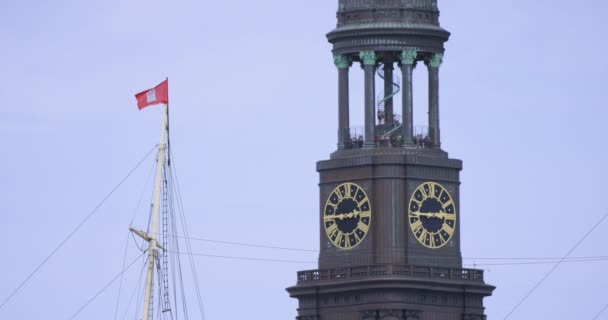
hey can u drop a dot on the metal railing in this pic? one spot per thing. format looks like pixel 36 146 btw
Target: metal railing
pixel 391 271
pixel 354 137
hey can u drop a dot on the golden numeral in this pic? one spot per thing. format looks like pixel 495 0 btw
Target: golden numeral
pixel 365 214
pixel 363 227
pixel 447 204
pixel 357 236
pixel 448 229
pixel 335 206
pixel 432 189
pixel 347 242
pixel 423 191
pixel 331 230
pixel 338 194
pixel 416 225
pixel 362 202
pixel 432 242
pixel 441 241
pixel 347 189
pixel 422 236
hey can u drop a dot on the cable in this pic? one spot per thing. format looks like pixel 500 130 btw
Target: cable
pixel 312 262
pixel 105 287
pixel 137 289
pixel 124 261
pixel 10 296
pixel 316 251
pixel 555 267
pixel 241 258
pixel 245 244
pixel 184 223
pixel 600 313
pixel 538 262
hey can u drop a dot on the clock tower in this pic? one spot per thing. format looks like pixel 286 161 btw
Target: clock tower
pixel 389 214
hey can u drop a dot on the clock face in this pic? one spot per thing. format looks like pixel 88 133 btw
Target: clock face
pixel 432 215
pixel 347 216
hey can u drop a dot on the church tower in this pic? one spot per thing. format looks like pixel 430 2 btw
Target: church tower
pixel 389 213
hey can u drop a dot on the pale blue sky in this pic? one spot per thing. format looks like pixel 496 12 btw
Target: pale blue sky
pixel 254 106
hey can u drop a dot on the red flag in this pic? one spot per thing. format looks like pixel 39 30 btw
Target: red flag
pixel 156 95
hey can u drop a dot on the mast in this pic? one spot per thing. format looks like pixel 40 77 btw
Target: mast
pixel 152 236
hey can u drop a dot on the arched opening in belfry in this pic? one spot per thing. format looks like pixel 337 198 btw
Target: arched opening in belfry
pixel 388 94
pixel 357 102
pixel 421 99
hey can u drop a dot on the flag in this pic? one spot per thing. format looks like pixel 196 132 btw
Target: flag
pixel 156 95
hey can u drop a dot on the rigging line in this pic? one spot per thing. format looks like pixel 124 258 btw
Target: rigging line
pixel 140 247
pixel 124 261
pixel 555 267
pixel 312 262
pixel 539 258
pixel 533 263
pixel 600 313
pixel 316 251
pixel 143 191
pixel 180 207
pixel 178 269
pixel 140 289
pixel 175 259
pixel 135 290
pixel 241 258
pixel 105 287
pixel 171 241
pixel 10 296
pixel 245 244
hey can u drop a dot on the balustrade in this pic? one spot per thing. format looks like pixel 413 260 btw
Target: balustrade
pixel 393 271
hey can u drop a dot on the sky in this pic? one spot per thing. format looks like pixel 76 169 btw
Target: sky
pixel 253 97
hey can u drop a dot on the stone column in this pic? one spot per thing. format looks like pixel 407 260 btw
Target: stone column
pixel 433 65
pixel 369 65
pixel 388 91
pixel 343 65
pixel 408 58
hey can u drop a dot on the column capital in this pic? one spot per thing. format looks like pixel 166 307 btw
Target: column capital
pixel 341 61
pixel 408 56
pixel 436 60
pixel 368 57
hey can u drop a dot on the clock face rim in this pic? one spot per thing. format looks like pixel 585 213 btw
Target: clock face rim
pixel 455 219
pixel 327 203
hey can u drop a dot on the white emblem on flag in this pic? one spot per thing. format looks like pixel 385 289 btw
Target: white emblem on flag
pixel 151 95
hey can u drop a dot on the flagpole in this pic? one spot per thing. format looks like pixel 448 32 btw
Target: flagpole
pixel 153 243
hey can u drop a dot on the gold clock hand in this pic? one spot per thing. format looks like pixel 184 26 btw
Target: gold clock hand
pixel 422 214
pixel 440 215
pixel 445 215
pixel 342 216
